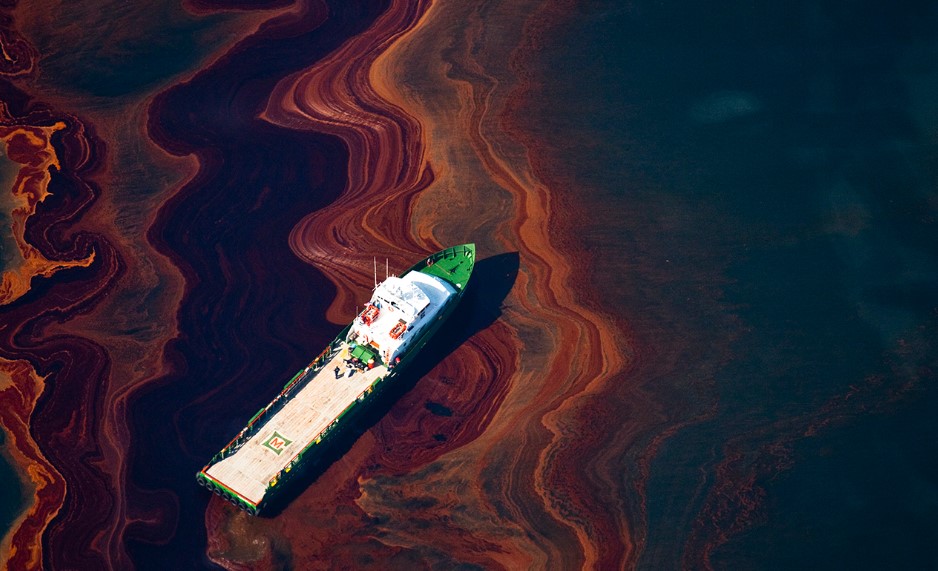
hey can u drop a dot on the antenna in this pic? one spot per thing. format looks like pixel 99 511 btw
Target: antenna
pixel 386 266
pixel 376 273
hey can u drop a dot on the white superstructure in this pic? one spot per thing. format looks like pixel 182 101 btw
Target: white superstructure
pixel 398 311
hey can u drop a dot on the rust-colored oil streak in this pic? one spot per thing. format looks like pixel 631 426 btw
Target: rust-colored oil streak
pixel 385 167
pixel 99 337
pixel 508 480
pixel 44 235
pixel 31 147
pixel 19 389
pixel 457 73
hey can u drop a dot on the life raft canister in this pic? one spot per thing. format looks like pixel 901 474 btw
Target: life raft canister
pixel 370 314
pixel 398 330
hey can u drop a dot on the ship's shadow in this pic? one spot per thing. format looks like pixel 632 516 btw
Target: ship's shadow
pixel 492 280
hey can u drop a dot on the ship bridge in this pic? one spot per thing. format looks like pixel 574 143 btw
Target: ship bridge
pixel 398 311
pixel 403 296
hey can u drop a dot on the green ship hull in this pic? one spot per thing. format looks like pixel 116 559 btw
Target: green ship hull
pixel 302 421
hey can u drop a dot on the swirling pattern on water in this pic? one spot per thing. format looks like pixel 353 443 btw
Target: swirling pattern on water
pixel 197 194
pixel 426 178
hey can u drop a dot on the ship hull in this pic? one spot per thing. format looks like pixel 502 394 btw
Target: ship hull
pixel 453 265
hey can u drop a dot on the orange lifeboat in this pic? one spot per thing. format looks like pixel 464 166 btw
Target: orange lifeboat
pixel 398 330
pixel 370 314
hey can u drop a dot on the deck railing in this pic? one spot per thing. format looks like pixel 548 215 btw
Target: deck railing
pixel 326 432
pixel 293 385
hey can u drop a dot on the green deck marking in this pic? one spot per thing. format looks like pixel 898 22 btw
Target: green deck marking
pixel 276 442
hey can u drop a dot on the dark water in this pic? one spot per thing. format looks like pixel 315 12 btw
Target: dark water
pixel 132 50
pixel 11 493
pixel 761 193
pixel 11 490
pixel 772 244
pixel 230 225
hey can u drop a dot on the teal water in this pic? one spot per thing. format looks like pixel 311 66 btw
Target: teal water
pixel 12 500
pixel 761 189
pixel 137 47
pixel 764 207
pixel 8 255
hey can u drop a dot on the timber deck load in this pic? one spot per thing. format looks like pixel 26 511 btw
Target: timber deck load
pixel 403 314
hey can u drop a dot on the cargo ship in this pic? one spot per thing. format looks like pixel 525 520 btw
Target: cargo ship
pixel 319 401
